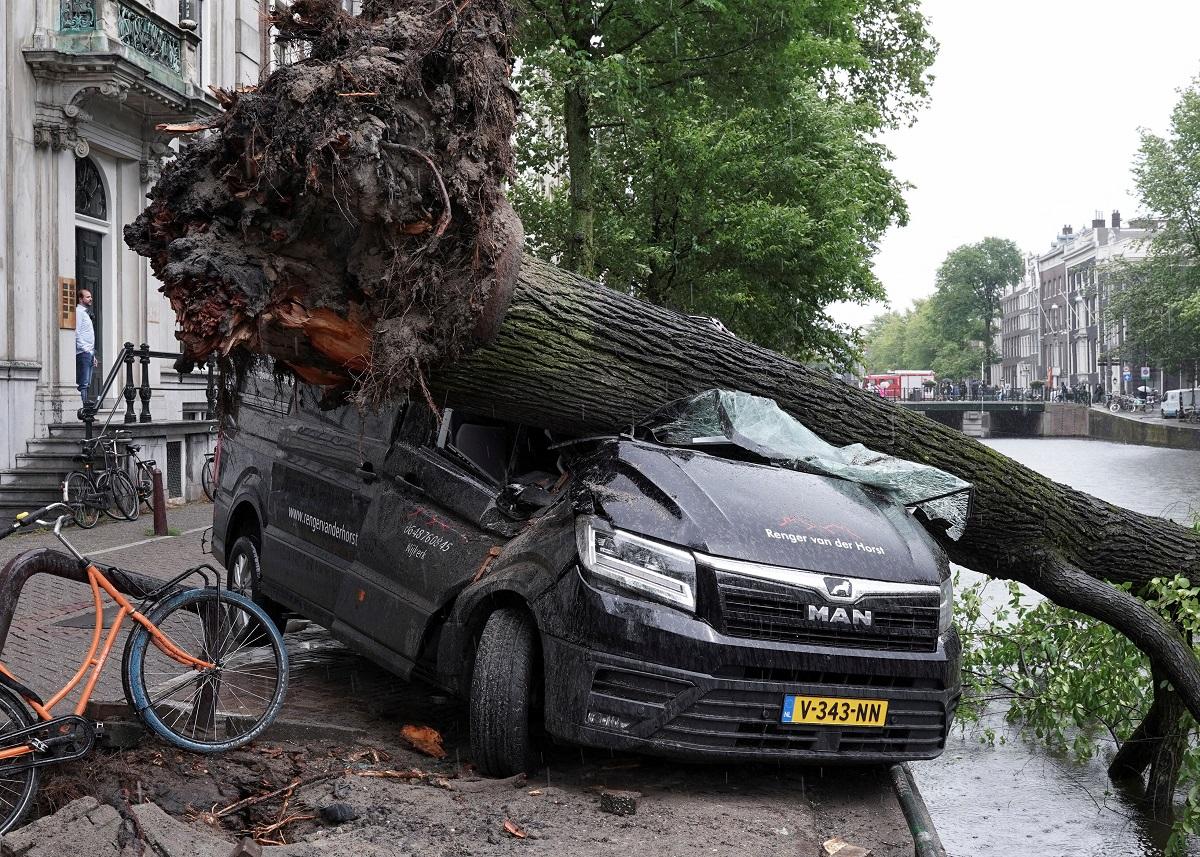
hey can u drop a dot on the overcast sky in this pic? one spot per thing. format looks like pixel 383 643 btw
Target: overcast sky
pixel 1033 123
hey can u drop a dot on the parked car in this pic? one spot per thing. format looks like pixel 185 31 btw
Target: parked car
pixel 690 599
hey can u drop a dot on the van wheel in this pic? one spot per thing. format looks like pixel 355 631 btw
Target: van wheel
pixel 502 695
pixel 245 576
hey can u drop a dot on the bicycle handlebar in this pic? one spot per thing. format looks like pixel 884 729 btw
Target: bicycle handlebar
pixel 24 519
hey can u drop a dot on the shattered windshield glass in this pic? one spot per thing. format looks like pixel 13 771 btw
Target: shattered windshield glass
pixel 759 426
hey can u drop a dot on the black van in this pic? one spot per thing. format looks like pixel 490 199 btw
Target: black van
pixel 692 599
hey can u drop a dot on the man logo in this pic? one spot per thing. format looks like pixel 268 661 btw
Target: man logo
pixel 839 587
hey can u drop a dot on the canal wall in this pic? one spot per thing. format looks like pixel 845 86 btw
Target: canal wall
pixel 1061 419
pixel 1106 426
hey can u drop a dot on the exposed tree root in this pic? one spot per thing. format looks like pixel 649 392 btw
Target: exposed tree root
pixel 346 216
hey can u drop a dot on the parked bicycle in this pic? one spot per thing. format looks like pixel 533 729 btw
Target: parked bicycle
pixel 204 668
pixel 89 492
pixel 140 470
pixel 207 477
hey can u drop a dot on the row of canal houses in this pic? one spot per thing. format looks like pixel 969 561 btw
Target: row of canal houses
pixel 1053 326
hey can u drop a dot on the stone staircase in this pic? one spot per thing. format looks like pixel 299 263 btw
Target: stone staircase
pixel 37 478
pixel 973 424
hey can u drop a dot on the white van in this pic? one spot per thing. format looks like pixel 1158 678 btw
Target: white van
pixel 1179 403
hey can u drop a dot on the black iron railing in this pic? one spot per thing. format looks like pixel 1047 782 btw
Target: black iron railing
pixel 132 393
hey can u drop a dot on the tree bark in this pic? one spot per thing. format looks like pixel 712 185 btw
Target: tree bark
pixel 1157 745
pixel 574 356
pixel 581 240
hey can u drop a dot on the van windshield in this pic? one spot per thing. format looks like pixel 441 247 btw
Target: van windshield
pixel 717 418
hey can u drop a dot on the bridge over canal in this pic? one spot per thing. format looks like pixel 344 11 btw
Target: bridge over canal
pixel 994 418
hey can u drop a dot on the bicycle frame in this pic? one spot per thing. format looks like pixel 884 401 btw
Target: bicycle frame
pixel 97 656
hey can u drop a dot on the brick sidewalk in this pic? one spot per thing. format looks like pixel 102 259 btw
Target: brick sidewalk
pixel 44 646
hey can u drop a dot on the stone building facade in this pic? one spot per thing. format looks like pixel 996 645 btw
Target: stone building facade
pixel 1053 322
pixel 84 83
pixel 1020 332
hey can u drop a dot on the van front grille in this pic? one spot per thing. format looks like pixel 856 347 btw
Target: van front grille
pixel 766 610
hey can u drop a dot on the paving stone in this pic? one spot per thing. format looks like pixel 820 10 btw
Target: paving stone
pixel 21 840
pixel 839 847
pixel 171 838
pixel 619 802
pixel 95 835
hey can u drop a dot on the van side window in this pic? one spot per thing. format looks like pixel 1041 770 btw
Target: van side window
pixel 497 451
pixel 261 389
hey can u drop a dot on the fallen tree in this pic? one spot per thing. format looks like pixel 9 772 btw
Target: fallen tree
pixel 346 218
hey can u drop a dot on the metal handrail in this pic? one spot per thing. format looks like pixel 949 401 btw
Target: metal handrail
pixel 131 392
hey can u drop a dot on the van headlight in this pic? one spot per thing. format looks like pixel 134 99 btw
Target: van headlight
pixel 636 564
pixel 946 606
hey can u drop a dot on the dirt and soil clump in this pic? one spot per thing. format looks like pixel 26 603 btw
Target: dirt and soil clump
pixel 346 216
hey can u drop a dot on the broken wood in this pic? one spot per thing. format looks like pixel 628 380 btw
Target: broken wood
pixel 424 739
pixel 287 790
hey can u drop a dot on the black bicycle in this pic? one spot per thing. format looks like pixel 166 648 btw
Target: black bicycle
pixel 206 477
pixel 88 491
pixel 140 470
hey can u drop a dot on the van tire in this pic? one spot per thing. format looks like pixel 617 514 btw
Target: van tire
pixel 502 690
pixel 242 562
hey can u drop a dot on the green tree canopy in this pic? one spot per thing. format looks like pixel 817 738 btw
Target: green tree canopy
pixel 1159 298
pixel 951 331
pixel 969 284
pixel 717 157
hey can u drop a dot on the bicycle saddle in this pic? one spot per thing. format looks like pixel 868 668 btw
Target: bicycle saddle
pixel 149 462
pixel 133 448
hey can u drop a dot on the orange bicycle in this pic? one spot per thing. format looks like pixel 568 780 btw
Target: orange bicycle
pixel 204 668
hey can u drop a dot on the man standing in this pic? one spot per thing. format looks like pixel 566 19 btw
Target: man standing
pixel 85 344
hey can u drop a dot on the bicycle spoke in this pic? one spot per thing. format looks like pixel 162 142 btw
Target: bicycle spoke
pixel 222 704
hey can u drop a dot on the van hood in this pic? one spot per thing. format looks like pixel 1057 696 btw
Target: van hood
pixel 755 512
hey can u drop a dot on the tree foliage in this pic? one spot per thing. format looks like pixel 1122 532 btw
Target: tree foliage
pixel 969 284
pixel 943 332
pixel 1071 682
pixel 718 158
pixel 1159 298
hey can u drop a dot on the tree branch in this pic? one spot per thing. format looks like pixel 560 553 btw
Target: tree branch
pixel 649 31
pixel 1150 632
pixel 545 16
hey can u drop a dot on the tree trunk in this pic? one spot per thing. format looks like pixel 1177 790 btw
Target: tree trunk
pixel 574 356
pixel 1157 745
pixel 581 241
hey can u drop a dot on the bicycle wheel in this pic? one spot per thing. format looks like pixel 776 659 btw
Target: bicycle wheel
pixel 80 494
pixel 206 479
pixel 145 486
pixel 119 494
pixel 17 788
pixel 216 709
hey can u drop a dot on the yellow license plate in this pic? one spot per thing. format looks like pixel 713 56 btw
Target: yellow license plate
pixel 834 711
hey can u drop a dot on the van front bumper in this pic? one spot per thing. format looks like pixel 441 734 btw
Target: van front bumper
pixel 626 674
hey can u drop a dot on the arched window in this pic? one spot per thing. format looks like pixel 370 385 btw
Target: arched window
pixel 89 190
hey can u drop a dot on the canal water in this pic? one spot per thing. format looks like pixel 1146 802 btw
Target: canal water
pixel 1013 797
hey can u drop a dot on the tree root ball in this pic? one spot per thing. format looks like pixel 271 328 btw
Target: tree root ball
pixel 346 217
